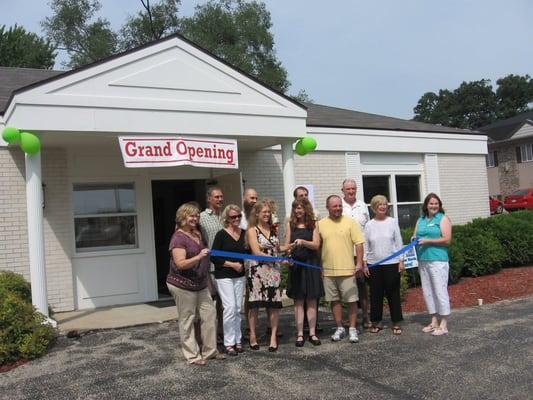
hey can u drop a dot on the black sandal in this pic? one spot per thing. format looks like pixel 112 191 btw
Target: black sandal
pixel 300 343
pixel 315 341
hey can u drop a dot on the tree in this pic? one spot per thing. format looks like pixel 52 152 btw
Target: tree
pixel 302 97
pixel 514 94
pixel 234 30
pixel 475 104
pixel 239 33
pixel 71 28
pixel 154 22
pixel 20 48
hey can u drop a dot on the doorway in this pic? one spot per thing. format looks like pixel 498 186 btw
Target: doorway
pixel 167 196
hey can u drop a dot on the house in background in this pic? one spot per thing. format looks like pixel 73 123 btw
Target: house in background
pixel 510 154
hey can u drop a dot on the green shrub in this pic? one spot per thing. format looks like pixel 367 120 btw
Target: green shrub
pixel 482 253
pixel 23 333
pixel 514 234
pixel 15 283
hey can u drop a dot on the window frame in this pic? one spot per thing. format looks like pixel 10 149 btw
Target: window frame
pixel 111 249
pixel 393 200
pixel 492 159
pixel 524 150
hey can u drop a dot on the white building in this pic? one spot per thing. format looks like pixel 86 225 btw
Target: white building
pixel 99 235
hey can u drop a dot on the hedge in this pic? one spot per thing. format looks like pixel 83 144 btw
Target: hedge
pixel 486 245
pixel 24 334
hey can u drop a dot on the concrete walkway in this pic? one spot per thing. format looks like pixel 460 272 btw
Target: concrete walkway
pixel 487 355
pixel 116 317
pixel 122 316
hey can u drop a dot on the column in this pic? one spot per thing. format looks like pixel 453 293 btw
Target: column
pixel 289 180
pixel 34 204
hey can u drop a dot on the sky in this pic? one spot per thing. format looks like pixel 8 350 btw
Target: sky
pixel 375 56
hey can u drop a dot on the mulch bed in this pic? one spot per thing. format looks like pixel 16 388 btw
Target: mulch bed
pixel 509 283
pixel 10 366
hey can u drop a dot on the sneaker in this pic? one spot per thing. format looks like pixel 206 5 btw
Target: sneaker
pixel 354 338
pixel 339 334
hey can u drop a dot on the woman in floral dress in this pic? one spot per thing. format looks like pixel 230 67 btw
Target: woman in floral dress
pixel 263 278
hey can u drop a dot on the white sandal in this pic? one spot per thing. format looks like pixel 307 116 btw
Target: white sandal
pixel 430 328
pixel 439 332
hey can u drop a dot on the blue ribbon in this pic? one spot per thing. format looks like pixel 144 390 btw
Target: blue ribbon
pixel 404 249
pixel 270 259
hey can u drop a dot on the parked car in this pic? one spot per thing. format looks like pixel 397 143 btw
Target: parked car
pixel 521 199
pixel 496 206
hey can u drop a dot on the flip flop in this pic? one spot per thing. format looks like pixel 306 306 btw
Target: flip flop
pixel 396 330
pixel 376 329
pixel 439 332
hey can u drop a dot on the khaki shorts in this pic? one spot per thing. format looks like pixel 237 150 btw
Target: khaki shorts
pixel 341 288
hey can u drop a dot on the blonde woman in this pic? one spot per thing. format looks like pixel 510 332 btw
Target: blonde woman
pixel 383 238
pixel 187 283
pixel 229 273
pixel 263 278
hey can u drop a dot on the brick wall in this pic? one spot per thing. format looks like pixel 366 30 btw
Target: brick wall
pixel 13 222
pixel 58 230
pixel 324 170
pixel 463 187
pixel 57 222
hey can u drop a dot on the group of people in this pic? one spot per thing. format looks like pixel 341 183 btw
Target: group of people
pixel 332 257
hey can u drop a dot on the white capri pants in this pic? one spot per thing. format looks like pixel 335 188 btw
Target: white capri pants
pixel 231 291
pixel 434 278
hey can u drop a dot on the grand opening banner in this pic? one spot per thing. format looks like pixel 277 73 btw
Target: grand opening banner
pixel 166 151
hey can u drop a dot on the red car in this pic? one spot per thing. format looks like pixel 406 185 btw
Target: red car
pixel 496 206
pixel 519 200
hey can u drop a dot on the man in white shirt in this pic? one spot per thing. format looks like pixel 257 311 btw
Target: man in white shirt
pixel 358 211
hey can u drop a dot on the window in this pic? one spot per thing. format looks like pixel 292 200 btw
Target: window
pixel 525 152
pixel 403 192
pixel 105 217
pixel 492 159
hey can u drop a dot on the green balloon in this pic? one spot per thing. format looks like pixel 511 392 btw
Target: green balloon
pixel 309 143
pixel 29 143
pixel 11 135
pixel 299 148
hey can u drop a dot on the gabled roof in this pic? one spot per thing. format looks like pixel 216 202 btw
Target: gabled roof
pixel 12 79
pixel 505 129
pixel 52 76
pixel 324 116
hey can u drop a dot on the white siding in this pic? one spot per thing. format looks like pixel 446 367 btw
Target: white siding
pixel 431 166
pixel 525 131
pixel 464 187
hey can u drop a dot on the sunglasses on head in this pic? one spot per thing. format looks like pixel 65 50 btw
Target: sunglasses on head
pixel 235 216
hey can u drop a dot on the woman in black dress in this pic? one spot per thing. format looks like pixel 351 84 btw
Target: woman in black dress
pixel 305 284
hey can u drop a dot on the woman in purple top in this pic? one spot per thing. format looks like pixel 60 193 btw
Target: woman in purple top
pixel 187 282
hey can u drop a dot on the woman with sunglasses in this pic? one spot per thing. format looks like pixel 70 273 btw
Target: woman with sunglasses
pixel 229 273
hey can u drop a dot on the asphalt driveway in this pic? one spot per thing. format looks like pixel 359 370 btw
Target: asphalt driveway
pixel 487 355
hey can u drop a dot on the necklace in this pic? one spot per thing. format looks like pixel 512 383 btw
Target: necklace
pixel 193 235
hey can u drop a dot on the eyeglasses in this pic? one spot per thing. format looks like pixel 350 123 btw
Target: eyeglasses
pixel 238 216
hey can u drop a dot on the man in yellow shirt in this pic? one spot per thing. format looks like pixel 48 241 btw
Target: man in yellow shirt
pixel 339 234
